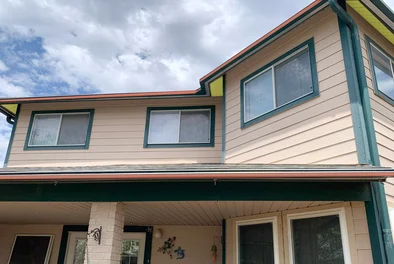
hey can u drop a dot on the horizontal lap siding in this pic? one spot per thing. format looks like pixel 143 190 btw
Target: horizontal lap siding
pixel 382 111
pixel 316 132
pixel 117 136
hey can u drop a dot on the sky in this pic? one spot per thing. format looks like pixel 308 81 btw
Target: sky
pixel 58 47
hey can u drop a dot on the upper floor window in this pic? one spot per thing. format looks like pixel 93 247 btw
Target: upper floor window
pixel 382 71
pixel 66 129
pixel 288 80
pixel 181 127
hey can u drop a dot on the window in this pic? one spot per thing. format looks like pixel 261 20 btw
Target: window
pixel 319 238
pixel 289 80
pixel 31 249
pixel 66 129
pixel 184 127
pixel 257 241
pixel 382 71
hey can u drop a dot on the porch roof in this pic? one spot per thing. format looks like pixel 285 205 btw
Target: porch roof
pixel 196 172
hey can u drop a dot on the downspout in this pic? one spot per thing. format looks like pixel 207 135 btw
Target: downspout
pixel 378 193
pixel 10 120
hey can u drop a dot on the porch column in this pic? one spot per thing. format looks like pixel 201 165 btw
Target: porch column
pixel 110 217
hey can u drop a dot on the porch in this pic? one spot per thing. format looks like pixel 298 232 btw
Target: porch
pixel 237 228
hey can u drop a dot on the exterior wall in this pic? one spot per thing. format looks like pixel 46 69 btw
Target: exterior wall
pixel 8 233
pixel 117 136
pixel 382 111
pixel 316 132
pixel 196 240
pixel 356 220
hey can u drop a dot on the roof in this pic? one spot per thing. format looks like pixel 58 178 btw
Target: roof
pixel 196 172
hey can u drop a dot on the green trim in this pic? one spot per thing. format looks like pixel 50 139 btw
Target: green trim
pixel 384 9
pixel 224 228
pixel 180 145
pixel 354 94
pixel 264 42
pixel 315 92
pixel 186 191
pixel 87 140
pixel 11 141
pixel 375 81
pixel 84 228
pixel 224 121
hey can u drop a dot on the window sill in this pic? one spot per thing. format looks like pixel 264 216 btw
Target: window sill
pixel 55 147
pixel 189 145
pixel 384 97
pixel 279 110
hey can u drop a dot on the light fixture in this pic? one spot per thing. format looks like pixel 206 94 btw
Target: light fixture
pixel 157 233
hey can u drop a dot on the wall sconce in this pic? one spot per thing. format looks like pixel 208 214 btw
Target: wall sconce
pixel 96 234
pixel 158 233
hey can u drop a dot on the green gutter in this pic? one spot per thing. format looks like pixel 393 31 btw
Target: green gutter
pixel 377 210
pixel 224 121
pixel 7 155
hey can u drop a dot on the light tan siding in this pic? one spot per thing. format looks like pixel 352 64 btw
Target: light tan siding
pixel 8 233
pixel 318 131
pixel 117 136
pixel 382 111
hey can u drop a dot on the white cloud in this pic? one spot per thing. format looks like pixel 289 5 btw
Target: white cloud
pixel 7 89
pixel 3 67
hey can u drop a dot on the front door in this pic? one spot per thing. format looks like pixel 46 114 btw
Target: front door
pixel 133 248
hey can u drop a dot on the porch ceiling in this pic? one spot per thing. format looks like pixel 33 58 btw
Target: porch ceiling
pixel 204 213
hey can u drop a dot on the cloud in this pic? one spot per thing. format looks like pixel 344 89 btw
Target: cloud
pixel 3 67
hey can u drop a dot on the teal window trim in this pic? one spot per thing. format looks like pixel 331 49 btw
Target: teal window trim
pixel 309 44
pixel 84 228
pixel 65 147
pixel 181 145
pixel 372 66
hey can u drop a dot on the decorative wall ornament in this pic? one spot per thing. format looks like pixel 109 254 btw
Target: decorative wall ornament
pixel 214 251
pixel 96 234
pixel 180 253
pixel 168 246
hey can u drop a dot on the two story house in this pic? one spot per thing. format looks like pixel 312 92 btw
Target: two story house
pixel 283 155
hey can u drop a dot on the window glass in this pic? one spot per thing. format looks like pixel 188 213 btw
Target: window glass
pixel 73 129
pixel 383 72
pixel 79 253
pixel 259 97
pixel 164 127
pixel 44 130
pixel 256 244
pixel 130 250
pixel 317 240
pixel 30 249
pixel 195 127
pixel 293 78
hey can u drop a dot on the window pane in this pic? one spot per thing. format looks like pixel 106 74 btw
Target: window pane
pixel 164 127
pixel 30 249
pixel 73 129
pixel 256 244
pixel 44 131
pixel 317 240
pixel 79 255
pixel 383 73
pixel 293 78
pixel 195 126
pixel 258 96
pixel 130 250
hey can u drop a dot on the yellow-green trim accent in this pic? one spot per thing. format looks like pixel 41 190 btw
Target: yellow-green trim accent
pixel 65 147
pixel 216 87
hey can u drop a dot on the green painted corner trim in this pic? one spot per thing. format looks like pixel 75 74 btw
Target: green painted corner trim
pixel 224 121
pixel 377 91
pixel 265 41
pixel 7 155
pixel 224 229
pixel 84 228
pixel 185 191
pixel 88 134
pixel 315 86
pixel 364 156
pixel 180 145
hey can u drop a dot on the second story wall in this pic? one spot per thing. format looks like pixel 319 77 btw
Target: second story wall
pixel 117 136
pixel 318 131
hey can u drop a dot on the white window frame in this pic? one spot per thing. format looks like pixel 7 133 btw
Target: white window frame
pixel 275 233
pixel 342 223
pixel 58 129
pixel 49 249
pixel 272 67
pixel 179 111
